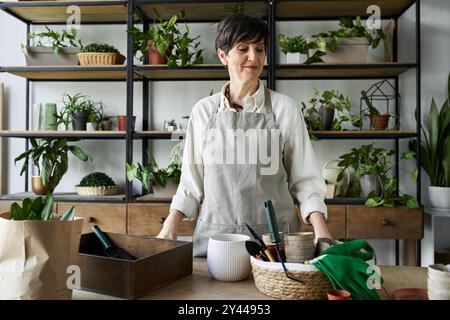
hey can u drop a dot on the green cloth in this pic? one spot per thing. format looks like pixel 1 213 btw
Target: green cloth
pixel 346 267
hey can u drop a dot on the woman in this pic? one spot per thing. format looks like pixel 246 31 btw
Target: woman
pixel 225 162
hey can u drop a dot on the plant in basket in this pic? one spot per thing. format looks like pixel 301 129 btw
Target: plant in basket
pixel 100 54
pixel 97 184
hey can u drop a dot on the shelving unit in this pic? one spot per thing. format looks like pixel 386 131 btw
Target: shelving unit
pixel 124 12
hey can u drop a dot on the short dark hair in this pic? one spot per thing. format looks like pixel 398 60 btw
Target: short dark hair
pixel 239 27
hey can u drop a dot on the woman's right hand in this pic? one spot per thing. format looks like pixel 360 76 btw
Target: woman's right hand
pixel 170 226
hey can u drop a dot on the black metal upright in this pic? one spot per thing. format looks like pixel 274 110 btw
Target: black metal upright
pixel 27 115
pixel 130 87
pixel 271 57
pixel 418 120
pixel 145 105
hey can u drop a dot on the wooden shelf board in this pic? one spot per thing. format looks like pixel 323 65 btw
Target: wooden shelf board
pixel 55 11
pixel 297 9
pixel 364 134
pixel 65 134
pixel 198 11
pixel 203 71
pixel 69 72
pixel 327 70
pixel 66 196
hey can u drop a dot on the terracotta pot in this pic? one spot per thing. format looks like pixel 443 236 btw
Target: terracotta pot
pixel 338 295
pixel 38 186
pixel 154 56
pixel 379 122
pixel 122 122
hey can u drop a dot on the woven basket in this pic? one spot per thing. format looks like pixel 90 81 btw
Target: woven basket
pixel 271 280
pixel 100 58
pixel 97 191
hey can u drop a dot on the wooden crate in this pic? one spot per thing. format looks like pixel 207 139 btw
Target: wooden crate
pixel 159 263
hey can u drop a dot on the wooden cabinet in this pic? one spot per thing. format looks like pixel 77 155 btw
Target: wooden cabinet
pixel 384 223
pixel 335 221
pixel 110 217
pixel 146 219
pixel 4 206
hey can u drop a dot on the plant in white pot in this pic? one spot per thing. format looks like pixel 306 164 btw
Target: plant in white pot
pixel 435 153
pixel 349 44
pixel 295 48
pixel 164 181
pixel 52 48
pixel 36 249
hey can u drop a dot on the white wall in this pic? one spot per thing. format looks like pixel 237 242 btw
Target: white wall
pixel 109 156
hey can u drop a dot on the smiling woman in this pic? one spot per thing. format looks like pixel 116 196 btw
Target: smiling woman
pixel 233 187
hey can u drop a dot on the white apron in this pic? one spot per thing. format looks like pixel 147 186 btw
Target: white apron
pixel 234 193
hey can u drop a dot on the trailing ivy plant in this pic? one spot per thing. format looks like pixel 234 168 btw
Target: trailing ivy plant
pixel 38 209
pixel 349 28
pixel 54 39
pixel 152 173
pixel 50 157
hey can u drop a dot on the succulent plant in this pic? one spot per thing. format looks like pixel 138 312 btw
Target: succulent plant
pixel 97 179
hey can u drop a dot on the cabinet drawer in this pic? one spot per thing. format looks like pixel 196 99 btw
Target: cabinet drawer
pixel 335 222
pixel 384 223
pixel 144 219
pixel 110 217
pixel 5 204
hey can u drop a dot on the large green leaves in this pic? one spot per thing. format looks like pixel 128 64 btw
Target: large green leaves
pixel 47 212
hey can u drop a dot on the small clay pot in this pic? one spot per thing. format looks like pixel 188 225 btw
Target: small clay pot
pixel 122 122
pixel 379 122
pixel 338 295
pixel 154 56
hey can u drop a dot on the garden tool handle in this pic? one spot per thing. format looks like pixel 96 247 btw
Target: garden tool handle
pixel 102 237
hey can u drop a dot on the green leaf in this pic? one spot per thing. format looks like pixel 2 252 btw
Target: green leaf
pixel 413 175
pixel 371 202
pixel 131 171
pixel 15 212
pixel 26 208
pixel 77 152
pixel 408 155
pixel 446 162
pixel 36 205
pixel 433 129
pixel 48 207
pixel 68 216
pixel 410 201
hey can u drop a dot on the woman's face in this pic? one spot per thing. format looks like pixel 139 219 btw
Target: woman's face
pixel 245 61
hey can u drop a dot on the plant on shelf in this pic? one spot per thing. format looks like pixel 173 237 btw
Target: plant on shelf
pixel 54 39
pixel 100 54
pixel 322 43
pixel 79 109
pixel 96 184
pixel 293 47
pixel 378 121
pixel 38 209
pixel 320 114
pixel 175 48
pixel 151 173
pixel 171 125
pixel 435 152
pixel 50 157
pixel 370 169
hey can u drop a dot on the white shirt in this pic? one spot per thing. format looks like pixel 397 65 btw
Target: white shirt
pixel 305 180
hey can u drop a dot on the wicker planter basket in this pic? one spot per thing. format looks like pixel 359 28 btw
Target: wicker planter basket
pixel 271 280
pixel 100 58
pixel 97 191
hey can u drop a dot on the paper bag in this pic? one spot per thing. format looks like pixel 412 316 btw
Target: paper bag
pixel 34 257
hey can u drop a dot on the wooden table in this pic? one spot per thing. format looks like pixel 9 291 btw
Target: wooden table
pixel 201 286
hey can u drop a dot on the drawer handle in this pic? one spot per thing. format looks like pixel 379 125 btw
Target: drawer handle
pixel 386 222
pixel 91 219
pixel 161 220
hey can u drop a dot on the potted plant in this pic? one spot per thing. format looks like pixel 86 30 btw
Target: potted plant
pixel 105 123
pixel 52 48
pixel 50 157
pixel 96 184
pixel 164 181
pixel 100 54
pixel 320 115
pixel 171 125
pixel 39 246
pixel 378 121
pixel 165 43
pixel 349 44
pixel 295 48
pixel 78 110
pixel 435 153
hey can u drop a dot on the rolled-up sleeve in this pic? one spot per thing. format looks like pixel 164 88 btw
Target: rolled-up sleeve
pixel 305 180
pixel 190 190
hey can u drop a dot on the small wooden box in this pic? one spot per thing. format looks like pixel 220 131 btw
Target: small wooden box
pixel 159 263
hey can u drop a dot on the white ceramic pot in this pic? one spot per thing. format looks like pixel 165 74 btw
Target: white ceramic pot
pixel 439 197
pixel 167 192
pixel 227 258
pixel 295 58
pixel 91 126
